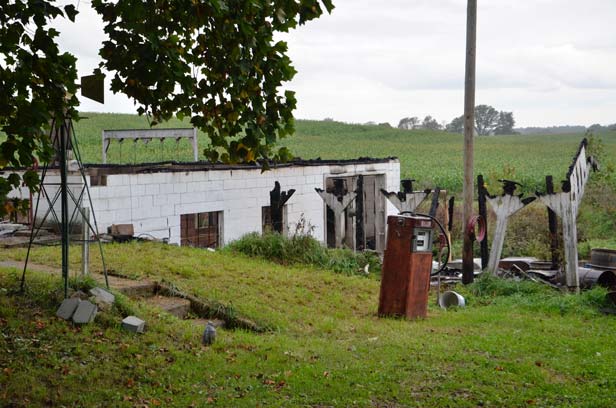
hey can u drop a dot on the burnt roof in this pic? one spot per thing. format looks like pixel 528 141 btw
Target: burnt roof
pixel 174 166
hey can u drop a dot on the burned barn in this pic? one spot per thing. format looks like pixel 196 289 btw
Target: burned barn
pixel 208 205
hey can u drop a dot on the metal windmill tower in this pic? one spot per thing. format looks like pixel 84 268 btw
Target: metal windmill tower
pixel 65 199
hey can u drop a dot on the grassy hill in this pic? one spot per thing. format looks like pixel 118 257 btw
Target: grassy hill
pixel 516 344
pixel 433 158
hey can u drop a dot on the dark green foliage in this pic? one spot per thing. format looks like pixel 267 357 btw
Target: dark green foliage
pixel 456 125
pixel 486 119
pixel 216 62
pixel 304 249
pixel 37 83
pixel 505 124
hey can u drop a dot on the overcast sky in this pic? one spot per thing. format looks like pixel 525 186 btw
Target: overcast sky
pixel 550 62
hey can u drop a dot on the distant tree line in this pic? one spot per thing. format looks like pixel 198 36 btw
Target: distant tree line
pixel 412 123
pixel 488 121
pixel 564 129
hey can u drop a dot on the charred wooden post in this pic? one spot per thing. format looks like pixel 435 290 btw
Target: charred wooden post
pixel 337 200
pixel 504 207
pixel 360 235
pixel 452 202
pixel 450 208
pixel 277 201
pixel 407 185
pixel 553 227
pixel 483 212
pixel 434 204
pixel 566 205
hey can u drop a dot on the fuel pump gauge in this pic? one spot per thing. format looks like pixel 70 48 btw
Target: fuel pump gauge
pixel 422 240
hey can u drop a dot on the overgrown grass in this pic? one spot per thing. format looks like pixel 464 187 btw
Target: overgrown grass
pixel 306 250
pixel 329 349
pixel 433 158
pixel 487 290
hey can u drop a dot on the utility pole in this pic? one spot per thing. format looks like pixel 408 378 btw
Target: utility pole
pixel 469 128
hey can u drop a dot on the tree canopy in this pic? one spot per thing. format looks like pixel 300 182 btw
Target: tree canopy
pixel 487 121
pixel 216 62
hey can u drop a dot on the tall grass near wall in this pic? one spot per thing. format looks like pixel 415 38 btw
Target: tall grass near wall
pixel 306 250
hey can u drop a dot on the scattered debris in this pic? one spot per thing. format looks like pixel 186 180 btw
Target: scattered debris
pixel 133 324
pixel 450 298
pixel 209 334
pixel 103 298
pixel 79 295
pixel 121 232
pixel 523 263
pixel 10 229
pixel 14 235
pixel 85 313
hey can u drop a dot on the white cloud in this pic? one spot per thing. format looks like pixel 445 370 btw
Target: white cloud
pixel 549 61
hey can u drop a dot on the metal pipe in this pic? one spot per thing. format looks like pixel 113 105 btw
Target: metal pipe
pixel 85 241
pixel 64 205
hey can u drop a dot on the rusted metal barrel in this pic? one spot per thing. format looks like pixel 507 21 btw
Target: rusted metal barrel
pixel 591 277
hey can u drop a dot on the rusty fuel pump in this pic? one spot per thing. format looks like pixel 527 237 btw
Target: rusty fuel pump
pixel 407 265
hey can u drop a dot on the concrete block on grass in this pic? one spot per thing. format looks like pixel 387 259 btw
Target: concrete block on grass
pixel 67 308
pixel 133 324
pixel 102 298
pixel 85 313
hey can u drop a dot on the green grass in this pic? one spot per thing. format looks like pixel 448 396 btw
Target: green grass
pixel 433 158
pixel 305 249
pixel 516 344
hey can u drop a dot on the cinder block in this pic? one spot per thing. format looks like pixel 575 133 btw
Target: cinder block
pixel 133 324
pixel 85 313
pixel 199 176
pixel 179 187
pixel 120 203
pixel 119 191
pixel 152 189
pixel 173 221
pixel 159 200
pixel 166 188
pixel 144 178
pixel 67 308
pixel 220 174
pixel 193 197
pixel 137 190
pixel 102 297
pixel 236 183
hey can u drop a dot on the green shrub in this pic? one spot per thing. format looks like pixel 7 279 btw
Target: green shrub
pixel 488 289
pixel 304 249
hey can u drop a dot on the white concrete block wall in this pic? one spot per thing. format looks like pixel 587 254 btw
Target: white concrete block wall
pixel 154 202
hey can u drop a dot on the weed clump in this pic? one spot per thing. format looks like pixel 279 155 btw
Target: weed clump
pixel 306 250
pixel 491 290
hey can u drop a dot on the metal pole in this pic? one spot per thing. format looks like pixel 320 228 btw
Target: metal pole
pixel 194 144
pixel 469 128
pixel 64 204
pixel 85 242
